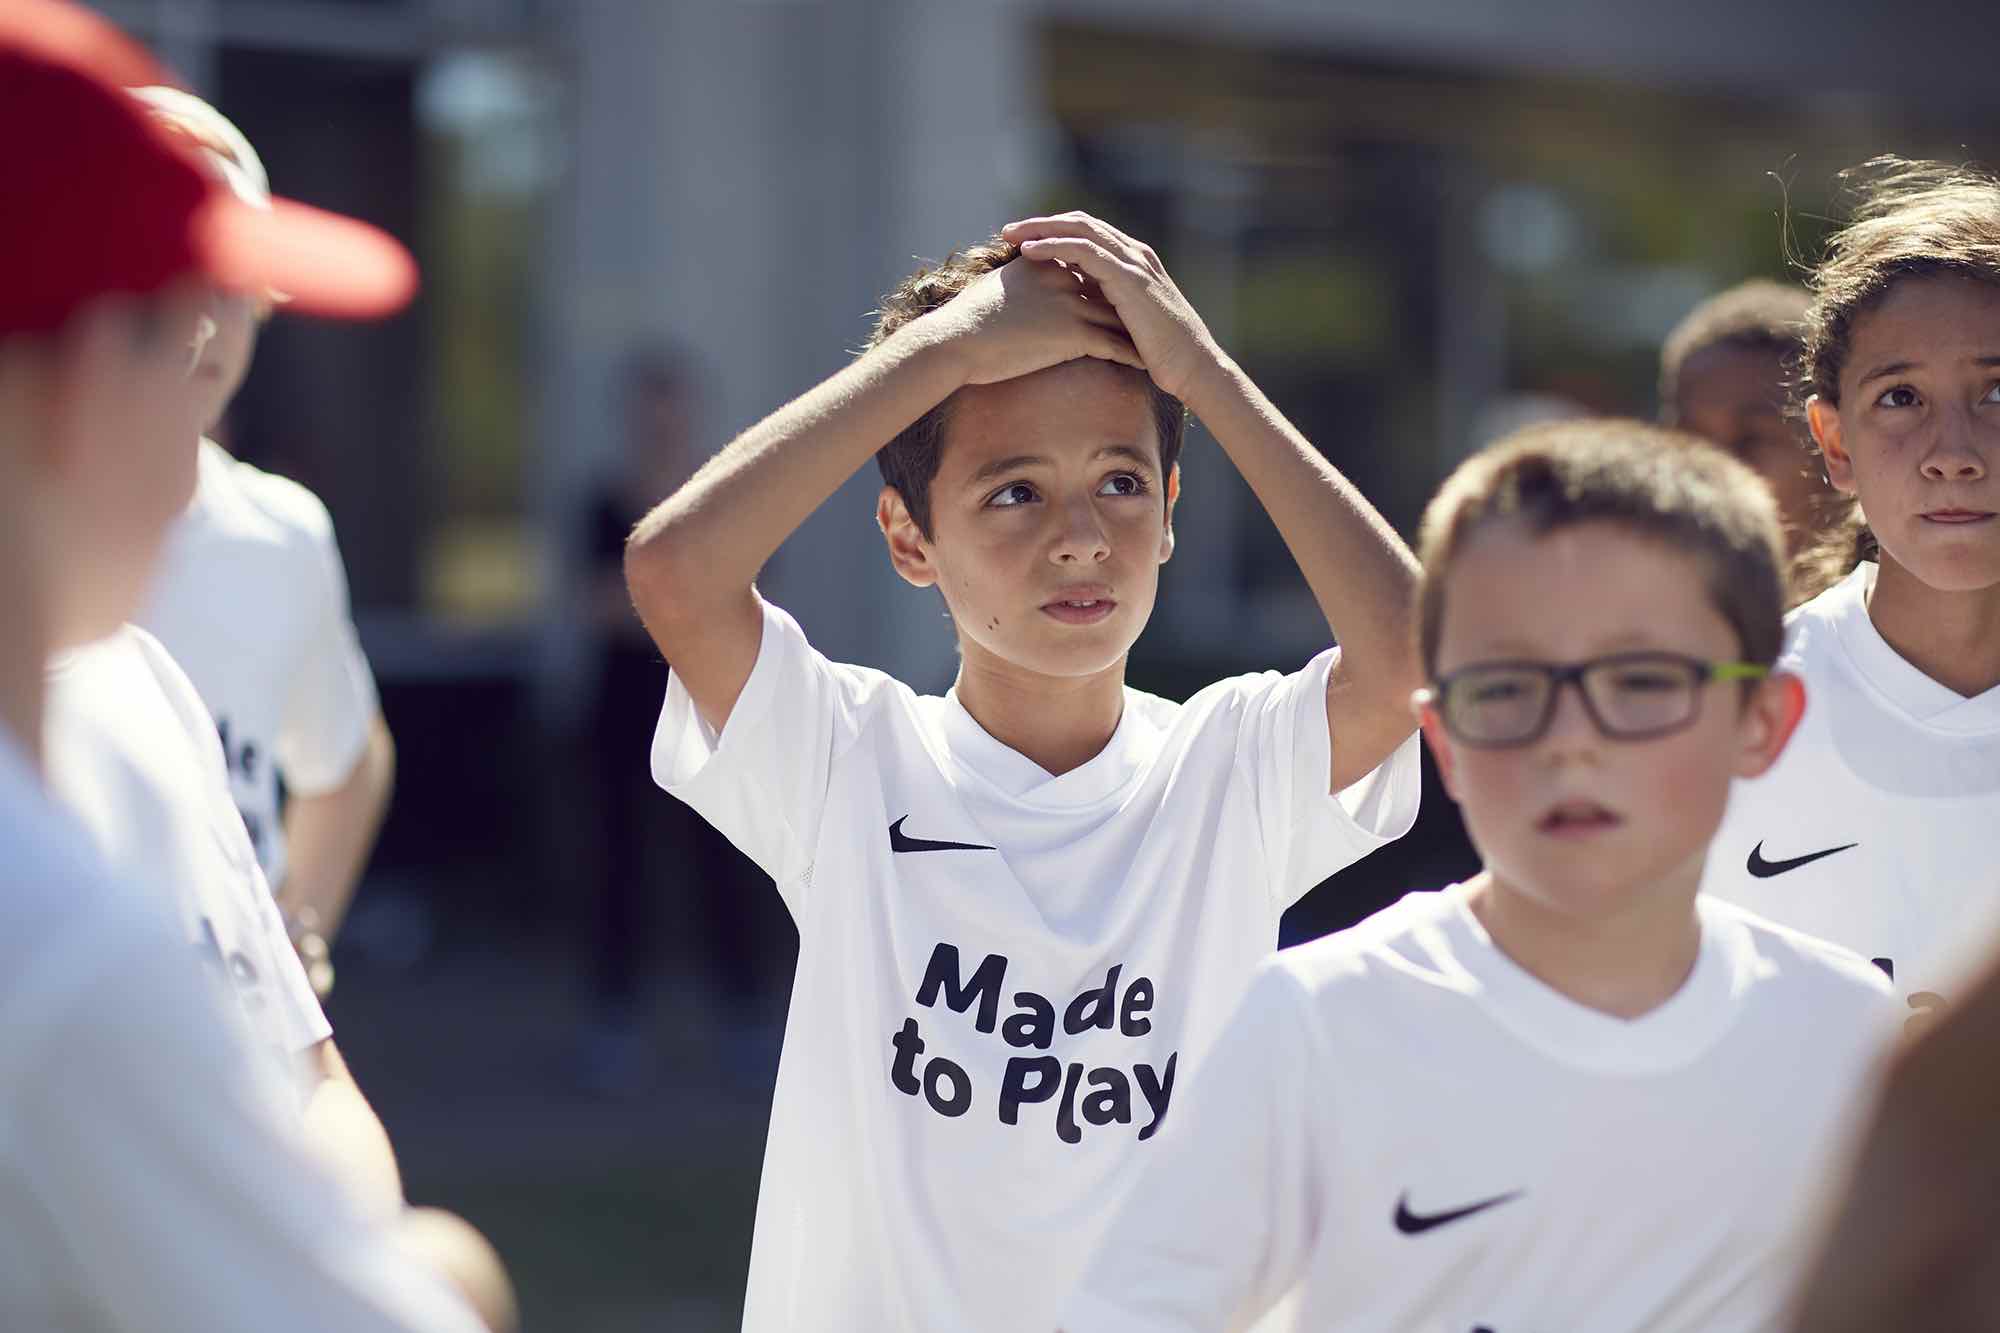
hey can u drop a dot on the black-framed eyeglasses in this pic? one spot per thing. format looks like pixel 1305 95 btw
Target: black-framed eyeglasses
pixel 1629 696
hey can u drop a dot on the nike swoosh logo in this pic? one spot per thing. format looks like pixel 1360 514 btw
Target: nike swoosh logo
pixel 1416 1224
pixel 1763 869
pixel 900 841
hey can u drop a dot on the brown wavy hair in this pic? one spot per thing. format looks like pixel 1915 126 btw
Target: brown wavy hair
pixel 910 461
pixel 1908 219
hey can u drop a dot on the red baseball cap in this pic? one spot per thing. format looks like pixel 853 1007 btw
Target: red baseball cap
pixel 104 200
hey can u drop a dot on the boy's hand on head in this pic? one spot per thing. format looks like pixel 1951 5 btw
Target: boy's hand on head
pixel 1172 340
pixel 1027 316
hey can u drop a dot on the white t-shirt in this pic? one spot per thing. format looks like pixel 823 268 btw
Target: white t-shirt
pixel 1001 973
pixel 131 750
pixel 251 600
pixel 150 1174
pixel 1879 826
pixel 1402 1129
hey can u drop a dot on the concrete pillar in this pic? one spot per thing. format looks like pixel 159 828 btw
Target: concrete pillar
pixel 748 179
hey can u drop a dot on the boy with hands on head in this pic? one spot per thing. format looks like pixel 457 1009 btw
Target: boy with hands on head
pixel 1568 1093
pixel 1022 903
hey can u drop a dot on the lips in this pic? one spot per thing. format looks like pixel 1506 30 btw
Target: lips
pixel 1957 515
pixel 1084 604
pixel 1577 819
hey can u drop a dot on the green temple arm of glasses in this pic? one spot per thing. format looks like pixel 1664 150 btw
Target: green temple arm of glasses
pixel 1737 671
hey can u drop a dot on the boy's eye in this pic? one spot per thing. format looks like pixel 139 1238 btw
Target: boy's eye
pixel 1900 396
pixel 1016 493
pixel 1505 689
pixel 1646 680
pixel 1123 483
pixel 1992 394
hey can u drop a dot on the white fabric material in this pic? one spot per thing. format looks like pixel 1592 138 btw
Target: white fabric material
pixel 1653 1174
pixel 1080 951
pixel 132 751
pixel 150 1176
pixel 1900 773
pixel 251 600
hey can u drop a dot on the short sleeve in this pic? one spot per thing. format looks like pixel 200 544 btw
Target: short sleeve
pixel 331 699
pixel 161 1164
pixel 1285 751
pixel 763 781
pixel 1226 1215
pixel 285 1007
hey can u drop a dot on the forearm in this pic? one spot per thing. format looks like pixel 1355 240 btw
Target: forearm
pixel 344 1130
pixel 1360 572
pixel 328 835
pixel 708 540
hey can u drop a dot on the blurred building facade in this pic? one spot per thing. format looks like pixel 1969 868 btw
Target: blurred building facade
pixel 1406 217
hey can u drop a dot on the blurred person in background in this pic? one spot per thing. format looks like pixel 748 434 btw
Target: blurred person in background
pixel 153 1169
pixel 1725 374
pixel 647 846
pixel 251 600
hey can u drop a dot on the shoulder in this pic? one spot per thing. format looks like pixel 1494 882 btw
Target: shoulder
pixel 245 497
pixel 1404 944
pixel 123 706
pixel 1812 629
pixel 172 683
pixel 1235 702
pixel 1769 951
pixel 790 672
pixel 284 501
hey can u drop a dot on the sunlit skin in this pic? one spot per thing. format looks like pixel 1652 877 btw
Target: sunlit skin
pixel 125 465
pixel 1593 848
pixel 1916 437
pixel 1734 396
pixel 225 361
pixel 1050 520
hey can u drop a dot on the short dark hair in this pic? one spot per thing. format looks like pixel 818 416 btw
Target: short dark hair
pixel 910 461
pixel 1758 314
pixel 1652 482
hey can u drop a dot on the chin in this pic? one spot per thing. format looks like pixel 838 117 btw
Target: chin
pixel 1958 567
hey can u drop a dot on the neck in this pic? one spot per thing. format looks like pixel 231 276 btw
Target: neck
pixel 1059 722
pixel 1625 963
pixel 1952 637
pixel 26 639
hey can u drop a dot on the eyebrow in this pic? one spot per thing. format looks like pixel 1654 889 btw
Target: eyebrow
pixel 1520 650
pixel 1904 367
pixel 1000 467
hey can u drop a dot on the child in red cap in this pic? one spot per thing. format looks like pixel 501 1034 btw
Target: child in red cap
pixel 153 1176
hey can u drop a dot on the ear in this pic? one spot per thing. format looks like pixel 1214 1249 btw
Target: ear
pixel 1167 523
pixel 1423 702
pixel 909 551
pixel 1770 715
pixel 1824 419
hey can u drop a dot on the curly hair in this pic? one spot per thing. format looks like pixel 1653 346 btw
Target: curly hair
pixel 910 461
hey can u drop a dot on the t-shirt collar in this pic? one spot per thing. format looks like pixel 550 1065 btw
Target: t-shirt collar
pixel 1014 775
pixel 1844 607
pixel 1676 1033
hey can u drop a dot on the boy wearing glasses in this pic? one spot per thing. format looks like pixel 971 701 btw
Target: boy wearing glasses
pixel 1568 1093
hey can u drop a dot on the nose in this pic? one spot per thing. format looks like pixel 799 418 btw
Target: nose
pixel 1081 539
pixel 1954 454
pixel 1572 731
